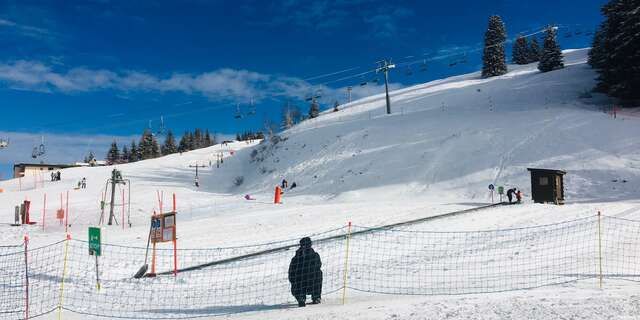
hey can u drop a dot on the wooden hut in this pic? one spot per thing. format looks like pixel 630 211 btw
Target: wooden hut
pixel 547 185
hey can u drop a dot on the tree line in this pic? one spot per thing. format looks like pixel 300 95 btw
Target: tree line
pixel 615 52
pixel 149 148
pixel 524 51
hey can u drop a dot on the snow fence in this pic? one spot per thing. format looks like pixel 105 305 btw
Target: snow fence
pixel 400 261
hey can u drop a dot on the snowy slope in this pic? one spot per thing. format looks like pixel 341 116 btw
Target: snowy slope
pixel 444 143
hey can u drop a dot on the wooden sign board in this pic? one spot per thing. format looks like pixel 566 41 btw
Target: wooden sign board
pixel 163 227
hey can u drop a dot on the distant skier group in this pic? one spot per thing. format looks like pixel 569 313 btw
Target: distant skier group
pixel 55 176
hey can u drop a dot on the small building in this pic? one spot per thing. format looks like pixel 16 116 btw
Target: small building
pixel 29 169
pixel 547 185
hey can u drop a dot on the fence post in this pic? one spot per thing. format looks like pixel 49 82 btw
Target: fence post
pixel 600 246
pixel 346 266
pixel 26 276
pixel 64 271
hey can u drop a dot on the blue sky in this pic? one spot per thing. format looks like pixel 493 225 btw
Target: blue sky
pixel 103 69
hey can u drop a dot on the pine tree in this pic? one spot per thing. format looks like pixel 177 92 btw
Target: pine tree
pixel 207 138
pixel 126 155
pixel 134 152
pixel 182 146
pixel 113 155
pixel 287 119
pixel 534 50
pixel 493 57
pixel 148 146
pixel 198 139
pixel 314 109
pixel 191 144
pixel 551 58
pixel 520 51
pixel 616 52
pixel 89 157
pixel 598 54
pixel 169 146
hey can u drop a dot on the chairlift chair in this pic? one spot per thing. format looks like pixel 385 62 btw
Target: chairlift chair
pixel 568 35
pixel 423 66
pixel 408 72
pixel 4 143
pixel 577 33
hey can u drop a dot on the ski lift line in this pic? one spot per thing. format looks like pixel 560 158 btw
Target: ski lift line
pixel 330 74
pixel 455 54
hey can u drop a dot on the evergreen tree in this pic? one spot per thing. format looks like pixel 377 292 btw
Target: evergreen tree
pixel 169 146
pixel 148 146
pixel 89 157
pixel 520 51
pixel 125 154
pixel 198 139
pixel 597 54
pixel 214 139
pixel 207 138
pixel 314 109
pixel 287 118
pixel 493 57
pixel 551 58
pixel 191 144
pixel 134 152
pixel 534 50
pixel 616 51
pixel 183 145
pixel 113 155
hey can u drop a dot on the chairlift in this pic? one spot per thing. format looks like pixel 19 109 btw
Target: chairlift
pixel 375 80
pixel 4 143
pixel 589 33
pixel 252 108
pixel 568 35
pixel 577 33
pixel 423 66
pixel 38 150
pixel 453 64
pixel 408 71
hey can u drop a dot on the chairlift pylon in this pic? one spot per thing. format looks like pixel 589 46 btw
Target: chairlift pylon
pixel 423 66
pixel 252 108
pixel 408 71
pixel 161 130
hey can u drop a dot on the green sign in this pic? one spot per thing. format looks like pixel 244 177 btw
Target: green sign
pixel 94 241
pixel 500 190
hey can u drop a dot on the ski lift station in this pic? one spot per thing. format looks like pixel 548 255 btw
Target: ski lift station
pixel 30 169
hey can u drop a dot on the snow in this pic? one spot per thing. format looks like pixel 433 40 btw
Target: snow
pixel 445 142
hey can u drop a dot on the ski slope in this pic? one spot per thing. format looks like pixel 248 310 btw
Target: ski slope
pixel 445 141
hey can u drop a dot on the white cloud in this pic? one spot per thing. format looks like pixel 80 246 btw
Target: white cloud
pixel 217 85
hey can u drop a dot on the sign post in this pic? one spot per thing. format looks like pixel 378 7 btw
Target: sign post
pixel 491 187
pixel 500 192
pixel 163 229
pixel 95 249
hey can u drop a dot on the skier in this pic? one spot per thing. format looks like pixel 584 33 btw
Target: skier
pixel 248 197
pixel 84 183
pixel 305 274
pixel 58 176
pixel 53 176
pixel 196 182
pixel 518 196
pixel 510 194
pixel 284 184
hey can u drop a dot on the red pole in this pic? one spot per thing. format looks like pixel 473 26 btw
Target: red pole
pixel 66 214
pixel 175 253
pixel 174 202
pixel 44 210
pixel 161 201
pixel 61 206
pixel 26 276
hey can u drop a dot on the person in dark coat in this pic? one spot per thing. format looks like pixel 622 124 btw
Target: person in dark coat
pixel 305 274
pixel 510 193
pixel 284 184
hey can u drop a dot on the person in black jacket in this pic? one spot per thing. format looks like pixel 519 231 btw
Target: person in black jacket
pixel 305 275
pixel 510 194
